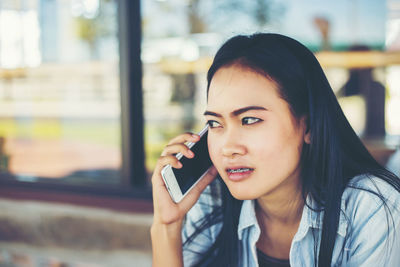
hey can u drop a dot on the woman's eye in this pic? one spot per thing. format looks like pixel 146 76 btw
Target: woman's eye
pixel 250 120
pixel 213 124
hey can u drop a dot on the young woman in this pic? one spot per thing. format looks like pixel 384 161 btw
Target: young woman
pixel 295 186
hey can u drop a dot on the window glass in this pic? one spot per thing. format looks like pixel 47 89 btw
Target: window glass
pixel 180 39
pixel 59 91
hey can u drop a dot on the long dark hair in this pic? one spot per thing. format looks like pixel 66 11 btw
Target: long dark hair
pixel 335 153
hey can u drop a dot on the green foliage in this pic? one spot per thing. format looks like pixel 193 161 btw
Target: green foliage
pixel 92 29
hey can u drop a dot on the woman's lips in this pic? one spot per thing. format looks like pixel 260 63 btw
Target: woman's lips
pixel 237 174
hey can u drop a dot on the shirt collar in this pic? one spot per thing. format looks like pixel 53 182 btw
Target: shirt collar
pixel 312 218
pixel 309 219
pixel 247 217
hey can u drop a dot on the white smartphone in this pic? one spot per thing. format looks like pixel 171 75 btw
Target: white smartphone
pixel 180 181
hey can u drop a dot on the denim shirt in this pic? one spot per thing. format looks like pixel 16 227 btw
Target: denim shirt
pixel 364 237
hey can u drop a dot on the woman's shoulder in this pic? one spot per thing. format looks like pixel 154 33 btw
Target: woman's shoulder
pixel 371 220
pixel 367 186
pixel 366 194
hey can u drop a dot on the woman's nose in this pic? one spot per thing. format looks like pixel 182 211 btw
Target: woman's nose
pixel 233 146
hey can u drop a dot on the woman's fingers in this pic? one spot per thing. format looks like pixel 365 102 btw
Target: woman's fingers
pixel 170 159
pixel 162 162
pixel 177 148
pixel 183 138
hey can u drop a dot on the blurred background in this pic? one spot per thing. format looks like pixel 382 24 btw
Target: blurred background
pixel 91 91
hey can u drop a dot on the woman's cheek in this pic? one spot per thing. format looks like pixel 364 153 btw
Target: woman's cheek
pixel 212 149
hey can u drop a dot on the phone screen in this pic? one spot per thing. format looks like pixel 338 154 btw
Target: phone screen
pixel 195 167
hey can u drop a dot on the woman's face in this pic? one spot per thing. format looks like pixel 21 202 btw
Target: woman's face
pixel 254 140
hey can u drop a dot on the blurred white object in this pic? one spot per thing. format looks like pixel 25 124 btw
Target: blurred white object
pixel 354 109
pixel 394 163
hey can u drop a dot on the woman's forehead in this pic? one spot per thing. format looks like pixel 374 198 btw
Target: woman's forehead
pixel 237 86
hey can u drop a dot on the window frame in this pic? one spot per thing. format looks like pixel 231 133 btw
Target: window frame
pixel 134 183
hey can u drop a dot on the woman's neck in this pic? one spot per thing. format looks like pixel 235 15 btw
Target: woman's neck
pixel 285 207
pixel 279 218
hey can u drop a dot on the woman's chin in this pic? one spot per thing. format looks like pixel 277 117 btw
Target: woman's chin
pixel 243 195
pixel 241 191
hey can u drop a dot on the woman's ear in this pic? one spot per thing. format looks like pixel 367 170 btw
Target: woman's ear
pixel 306 127
pixel 307 138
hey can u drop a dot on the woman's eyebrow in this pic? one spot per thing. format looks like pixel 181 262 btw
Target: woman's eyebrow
pixel 235 112
pixel 212 114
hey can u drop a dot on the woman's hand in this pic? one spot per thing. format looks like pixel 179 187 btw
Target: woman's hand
pixel 166 211
pixel 168 216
